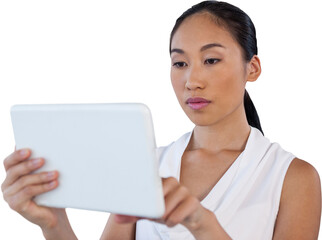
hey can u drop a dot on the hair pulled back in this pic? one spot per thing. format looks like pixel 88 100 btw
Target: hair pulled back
pixel 241 28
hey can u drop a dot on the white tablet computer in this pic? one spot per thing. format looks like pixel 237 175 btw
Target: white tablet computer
pixel 105 155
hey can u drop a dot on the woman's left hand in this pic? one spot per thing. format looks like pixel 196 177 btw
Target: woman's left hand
pixel 180 208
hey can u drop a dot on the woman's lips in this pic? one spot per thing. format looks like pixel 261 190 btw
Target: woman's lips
pixel 197 103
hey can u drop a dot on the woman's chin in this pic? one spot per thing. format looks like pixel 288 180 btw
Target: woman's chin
pixel 202 120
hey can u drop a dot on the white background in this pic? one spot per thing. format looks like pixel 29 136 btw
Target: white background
pixel 94 51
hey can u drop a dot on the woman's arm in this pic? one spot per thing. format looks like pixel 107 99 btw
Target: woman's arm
pixel 300 207
pixel 118 231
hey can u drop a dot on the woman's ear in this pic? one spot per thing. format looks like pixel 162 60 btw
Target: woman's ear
pixel 254 69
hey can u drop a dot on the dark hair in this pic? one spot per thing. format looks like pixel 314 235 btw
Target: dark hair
pixel 242 29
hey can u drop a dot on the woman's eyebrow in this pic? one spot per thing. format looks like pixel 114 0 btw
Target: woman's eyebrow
pixel 177 50
pixel 203 48
pixel 210 45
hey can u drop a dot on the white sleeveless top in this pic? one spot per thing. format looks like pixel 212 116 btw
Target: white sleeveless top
pixel 245 200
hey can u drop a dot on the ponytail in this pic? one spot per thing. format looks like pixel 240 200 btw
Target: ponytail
pixel 251 113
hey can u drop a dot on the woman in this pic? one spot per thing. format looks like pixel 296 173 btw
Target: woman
pixel 227 181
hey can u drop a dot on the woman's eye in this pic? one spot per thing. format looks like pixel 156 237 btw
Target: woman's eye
pixel 180 64
pixel 211 61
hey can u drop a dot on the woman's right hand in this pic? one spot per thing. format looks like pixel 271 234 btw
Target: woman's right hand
pixel 21 185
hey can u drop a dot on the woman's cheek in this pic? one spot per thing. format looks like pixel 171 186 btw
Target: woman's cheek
pixel 178 85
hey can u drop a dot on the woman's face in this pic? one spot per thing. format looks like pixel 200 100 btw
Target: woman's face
pixel 207 63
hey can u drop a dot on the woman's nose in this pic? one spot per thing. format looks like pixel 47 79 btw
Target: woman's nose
pixel 194 79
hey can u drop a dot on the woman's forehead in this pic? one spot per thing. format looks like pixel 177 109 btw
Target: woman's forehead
pixel 200 29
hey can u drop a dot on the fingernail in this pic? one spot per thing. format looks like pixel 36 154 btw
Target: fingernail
pixel 23 152
pixel 36 162
pixel 51 184
pixel 50 175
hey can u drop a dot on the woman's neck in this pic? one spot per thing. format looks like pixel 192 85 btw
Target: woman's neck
pixel 230 133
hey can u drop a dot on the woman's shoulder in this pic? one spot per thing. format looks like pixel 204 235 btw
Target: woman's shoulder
pixel 303 169
pixel 301 176
pixel 300 206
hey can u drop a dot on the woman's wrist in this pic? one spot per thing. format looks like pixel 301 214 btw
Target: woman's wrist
pixel 209 228
pixel 61 230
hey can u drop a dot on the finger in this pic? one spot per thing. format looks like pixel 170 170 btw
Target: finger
pixel 169 184
pixel 174 199
pixel 16 157
pixel 21 169
pixel 183 213
pixel 19 202
pixel 125 219
pixel 157 220
pixel 33 179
